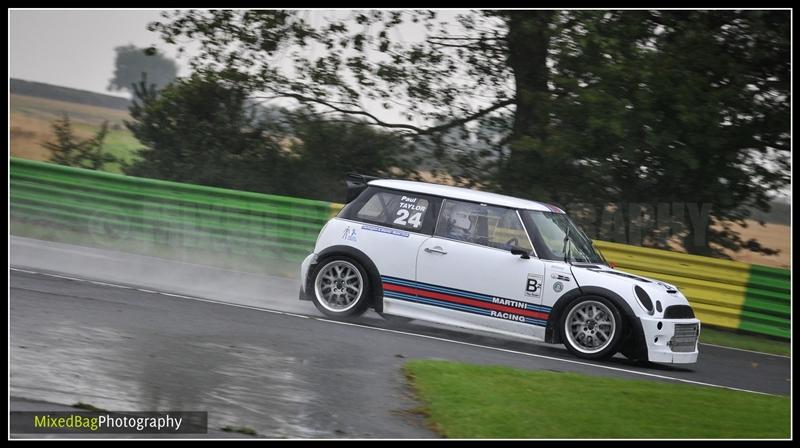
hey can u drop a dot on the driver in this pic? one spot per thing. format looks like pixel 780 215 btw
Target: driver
pixel 459 226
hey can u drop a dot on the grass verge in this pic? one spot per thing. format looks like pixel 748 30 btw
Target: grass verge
pixel 471 401
pixel 744 341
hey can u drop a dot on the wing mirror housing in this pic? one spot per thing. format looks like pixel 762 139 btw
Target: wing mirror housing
pixel 521 252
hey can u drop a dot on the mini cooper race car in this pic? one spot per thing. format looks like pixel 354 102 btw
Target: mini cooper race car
pixel 494 263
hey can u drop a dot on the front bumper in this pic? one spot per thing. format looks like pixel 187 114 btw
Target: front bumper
pixel 663 344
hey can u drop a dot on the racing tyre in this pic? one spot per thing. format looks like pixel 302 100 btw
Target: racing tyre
pixel 340 287
pixel 591 328
pixel 634 357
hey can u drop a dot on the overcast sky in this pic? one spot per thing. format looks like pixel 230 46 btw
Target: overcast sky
pixel 76 48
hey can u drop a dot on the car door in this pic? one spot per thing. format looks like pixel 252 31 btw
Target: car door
pixel 467 275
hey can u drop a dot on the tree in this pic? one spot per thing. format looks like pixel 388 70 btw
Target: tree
pixel 68 150
pixel 204 130
pixel 590 106
pixel 322 152
pixel 680 107
pixel 131 63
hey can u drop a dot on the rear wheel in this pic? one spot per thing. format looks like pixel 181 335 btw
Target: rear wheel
pixel 341 287
pixel 591 328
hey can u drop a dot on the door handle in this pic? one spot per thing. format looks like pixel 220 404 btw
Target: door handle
pixel 435 249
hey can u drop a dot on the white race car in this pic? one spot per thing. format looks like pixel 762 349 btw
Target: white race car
pixel 490 262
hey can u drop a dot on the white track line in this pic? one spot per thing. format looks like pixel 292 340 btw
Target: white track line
pixel 533 355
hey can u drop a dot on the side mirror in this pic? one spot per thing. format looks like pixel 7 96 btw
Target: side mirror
pixel 521 252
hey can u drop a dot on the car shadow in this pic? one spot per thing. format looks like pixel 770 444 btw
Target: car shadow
pixel 501 342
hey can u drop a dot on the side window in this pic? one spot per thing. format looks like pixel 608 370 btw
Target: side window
pixel 486 225
pixel 395 209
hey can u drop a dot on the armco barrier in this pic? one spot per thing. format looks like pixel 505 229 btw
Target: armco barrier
pixel 723 293
pixel 154 212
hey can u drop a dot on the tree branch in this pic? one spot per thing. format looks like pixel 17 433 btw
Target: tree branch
pixel 408 127
pixel 501 38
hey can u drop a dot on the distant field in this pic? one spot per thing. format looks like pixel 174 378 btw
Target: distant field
pixel 774 236
pixel 31 119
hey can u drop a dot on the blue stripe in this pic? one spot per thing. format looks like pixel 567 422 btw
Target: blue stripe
pixel 458 307
pixel 459 292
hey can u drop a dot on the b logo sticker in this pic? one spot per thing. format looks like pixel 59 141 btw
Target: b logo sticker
pixel 533 287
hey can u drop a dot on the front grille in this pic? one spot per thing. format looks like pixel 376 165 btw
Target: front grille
pixel 685 338
pixel 678 312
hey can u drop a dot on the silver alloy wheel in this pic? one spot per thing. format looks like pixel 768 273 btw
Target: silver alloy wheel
pixel 338 286
pixel 590 326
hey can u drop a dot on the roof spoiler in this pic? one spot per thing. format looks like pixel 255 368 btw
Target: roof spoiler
pixel 356 183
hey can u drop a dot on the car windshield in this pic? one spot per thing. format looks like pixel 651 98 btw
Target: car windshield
pixel 548 231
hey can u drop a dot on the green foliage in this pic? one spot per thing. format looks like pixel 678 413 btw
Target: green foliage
pixel 68 150
pixel 323 152
pixel 563 106
pixel 132 63
pixel 200 130
pixel 676 106
pixel 204 130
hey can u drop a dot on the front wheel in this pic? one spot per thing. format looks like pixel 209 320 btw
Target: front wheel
pixel 341 287
pixel 591 328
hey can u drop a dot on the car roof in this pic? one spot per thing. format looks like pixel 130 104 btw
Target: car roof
pixel 465 194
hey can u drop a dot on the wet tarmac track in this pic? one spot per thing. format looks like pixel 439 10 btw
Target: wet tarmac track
pixel 284 375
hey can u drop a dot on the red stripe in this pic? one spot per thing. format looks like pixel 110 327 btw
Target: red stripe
pixel 465 301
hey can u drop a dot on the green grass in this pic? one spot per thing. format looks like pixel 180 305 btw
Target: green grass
pixel 119 142
pixel 470 401
pixel 744 341
pixel 32 117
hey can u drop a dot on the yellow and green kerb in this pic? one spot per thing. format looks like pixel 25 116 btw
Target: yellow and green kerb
pixel 723 293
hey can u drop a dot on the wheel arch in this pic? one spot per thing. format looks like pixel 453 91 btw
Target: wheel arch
pixel 375 284
pixel 634 339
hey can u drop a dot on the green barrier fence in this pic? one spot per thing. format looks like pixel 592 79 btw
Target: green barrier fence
pixel 723 293
pixel 113 209
pixel 155 213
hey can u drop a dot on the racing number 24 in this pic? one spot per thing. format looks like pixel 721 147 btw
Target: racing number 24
pixel 404 218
